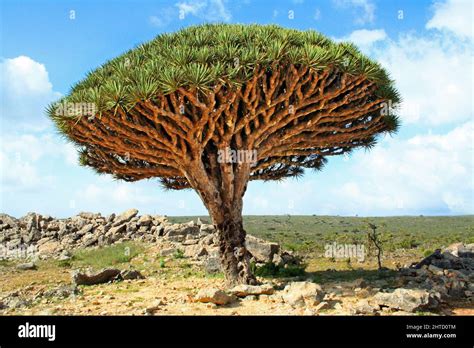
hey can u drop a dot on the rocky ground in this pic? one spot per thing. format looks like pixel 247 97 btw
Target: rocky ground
pixel 160 268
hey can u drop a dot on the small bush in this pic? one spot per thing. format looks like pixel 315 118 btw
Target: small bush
pixel 162 262
pixel 178 254
pixel 269 269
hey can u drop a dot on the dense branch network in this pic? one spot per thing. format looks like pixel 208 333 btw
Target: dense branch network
pixel 292 116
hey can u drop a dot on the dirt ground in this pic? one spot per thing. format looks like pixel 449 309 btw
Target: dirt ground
pixel 170 290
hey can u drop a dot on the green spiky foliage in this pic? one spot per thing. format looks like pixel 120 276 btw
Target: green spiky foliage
pixel 200 57
pixel 167 109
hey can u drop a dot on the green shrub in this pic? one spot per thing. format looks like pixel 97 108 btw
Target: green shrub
pixel 269 269
pixel 178 254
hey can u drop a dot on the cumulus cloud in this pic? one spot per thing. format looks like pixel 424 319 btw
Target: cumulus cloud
pixel 434 76
pixel 23 158
pixel 25 91
pixel 455 16
pixel 365 38
pixel 428 172
pixel 433 72
pixel 364 10
pixel 209 10
pixel 164 17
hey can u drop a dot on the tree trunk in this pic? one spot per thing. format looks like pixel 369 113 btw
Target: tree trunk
pixel 235 258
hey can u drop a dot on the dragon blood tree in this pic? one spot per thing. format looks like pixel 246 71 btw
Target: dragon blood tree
pixel 180 107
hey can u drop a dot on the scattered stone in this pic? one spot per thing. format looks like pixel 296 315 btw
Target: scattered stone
pixel 322 306
pixel 303 293
pixel 26 266
pixel 62 291
pixel 215 296
pixel 364 307
pixel 168 251
pixel 131 274
pixel 250 290
pixel 103 276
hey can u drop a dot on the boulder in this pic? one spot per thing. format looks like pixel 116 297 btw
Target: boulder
pixel 408 300
pixel 26 266
pixel 261 250
pixel 215 296
pixel 195 251
pixel 302 293
pixel 126 216
pixel 364 307
pixel 145 220
pixel 249 290
pixel 103 276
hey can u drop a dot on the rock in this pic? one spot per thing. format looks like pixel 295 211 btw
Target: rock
pixel 409 300
pixel 206 229
pixel 212 265
pixel 195 251
pixel 86 229
pixel 435 270
pixel 65 255
pixel 261 250
pixel 117 229
pixel 63 291
pixel 49 247
pixel 429 259
pixel 125 217
pixel 131 274
pixel 173 230
pixel 89 239
pixel 248 290
pixel 460 250
pixel 103 276
pixel 26 266
pixel 302 293
pixel 145 220
pixel 322 306
pixel 363 307
pixel 167 251
pixel 215 296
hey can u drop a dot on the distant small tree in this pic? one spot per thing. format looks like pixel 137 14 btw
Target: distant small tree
pixel 374 239
pixel 213 107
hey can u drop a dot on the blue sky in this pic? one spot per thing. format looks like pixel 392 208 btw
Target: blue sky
pixel 46 46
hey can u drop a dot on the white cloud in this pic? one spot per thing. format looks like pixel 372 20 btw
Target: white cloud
pixel 209 10
pixel 164 18
pixel 433 75
pixel 455 16
pixel 364 10
pixel 25 91
pixel 426 173
pixel 23 158
pixel 366 38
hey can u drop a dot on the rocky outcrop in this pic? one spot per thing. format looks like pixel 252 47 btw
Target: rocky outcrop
pixel 448 272
pixel 43 236
pixel 408 300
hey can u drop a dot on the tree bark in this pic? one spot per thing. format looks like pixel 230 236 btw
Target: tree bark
pixel 235 258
